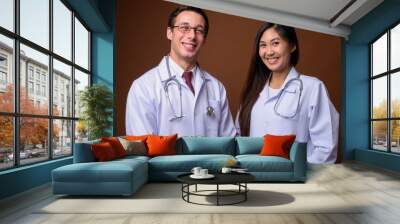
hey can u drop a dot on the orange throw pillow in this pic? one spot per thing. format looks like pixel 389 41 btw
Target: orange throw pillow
pixel 116 145
pixel 136 137
pixel 161 145
pixel 103 151
pixel 277 145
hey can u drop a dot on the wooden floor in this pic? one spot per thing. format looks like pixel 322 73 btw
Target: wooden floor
pixel 378 189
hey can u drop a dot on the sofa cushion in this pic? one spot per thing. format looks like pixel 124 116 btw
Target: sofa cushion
pixel 129 159
pixel 136 147
pixel 111 171
pixel 136 137
pixel 116 145
pixel 118 177
pixel 277 145
pixel 249 145
pixel 257 163
pixel 83 152
pixel 185 163
pixel 103 151
pixel 207 145
pixel 161 145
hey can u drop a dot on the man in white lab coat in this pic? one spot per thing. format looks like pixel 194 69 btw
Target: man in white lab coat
pixel 177 96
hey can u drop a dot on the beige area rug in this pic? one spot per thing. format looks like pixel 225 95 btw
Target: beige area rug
pixel 166 198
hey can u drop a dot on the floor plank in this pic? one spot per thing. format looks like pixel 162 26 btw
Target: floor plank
pixel 377 191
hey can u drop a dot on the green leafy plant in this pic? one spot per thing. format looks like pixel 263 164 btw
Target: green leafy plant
pixel 96 102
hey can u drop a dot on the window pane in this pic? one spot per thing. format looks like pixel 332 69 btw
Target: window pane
pixel 379 135
pixel 6 142
pixel 379 55
pixel 62 138
pixel 81 81
pixel 7 14
pixel 81 45
pixel 62 89
pixel 35 21
pixel 34 80
pixel 6 74
pixel 62 29
pixel 395 136
pixel 395 95
pixel 33 140
pixel 395 47
pixel 81 131
pixel 379 97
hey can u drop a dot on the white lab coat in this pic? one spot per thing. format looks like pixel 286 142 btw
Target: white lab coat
pixel 316 121
pixel 148 110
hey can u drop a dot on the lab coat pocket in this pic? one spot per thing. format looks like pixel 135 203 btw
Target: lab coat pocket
pixel 212 119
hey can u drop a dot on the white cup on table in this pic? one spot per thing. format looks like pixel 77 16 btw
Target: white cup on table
pixel 203 172
pixel 226 170
pixel 196 170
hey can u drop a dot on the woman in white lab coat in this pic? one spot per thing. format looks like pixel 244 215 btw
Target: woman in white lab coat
pixel 278 100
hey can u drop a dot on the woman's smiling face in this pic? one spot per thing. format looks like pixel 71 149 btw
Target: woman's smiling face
pixel 275 51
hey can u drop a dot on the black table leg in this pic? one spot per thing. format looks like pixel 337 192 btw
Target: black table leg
pixel 217 194
pixel 245 193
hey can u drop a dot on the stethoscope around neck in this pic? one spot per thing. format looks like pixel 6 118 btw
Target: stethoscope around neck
pixel 173 80
pixel 288 114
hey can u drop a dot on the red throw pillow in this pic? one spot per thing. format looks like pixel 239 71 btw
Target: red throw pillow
pixel 116 145
pixel 103 151
pixel 277 145
pixel 161 145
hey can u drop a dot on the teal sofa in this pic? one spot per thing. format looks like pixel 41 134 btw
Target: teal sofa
pixel 125 176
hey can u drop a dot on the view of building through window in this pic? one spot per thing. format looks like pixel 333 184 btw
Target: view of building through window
pixel 385 80
pixel 41 83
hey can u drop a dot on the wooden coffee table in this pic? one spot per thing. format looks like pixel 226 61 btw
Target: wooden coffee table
pixel 238 179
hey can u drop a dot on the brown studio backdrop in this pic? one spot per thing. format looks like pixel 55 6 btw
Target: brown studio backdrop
pixel 141 42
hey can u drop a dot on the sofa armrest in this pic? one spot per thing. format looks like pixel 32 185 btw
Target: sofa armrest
pixel 83 152
pixel 298 155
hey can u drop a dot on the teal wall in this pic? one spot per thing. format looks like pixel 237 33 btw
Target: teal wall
pixel 356 73
pixel 103 51
pixel 24 178
pixel 99 16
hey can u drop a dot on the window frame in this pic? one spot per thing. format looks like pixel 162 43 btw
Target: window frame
pixel 388 74
pixel 51 118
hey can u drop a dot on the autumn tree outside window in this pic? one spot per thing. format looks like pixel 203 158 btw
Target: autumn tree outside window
pixel 44 64
pixel 384 92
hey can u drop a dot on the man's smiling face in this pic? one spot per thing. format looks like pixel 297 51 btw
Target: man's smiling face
pixel 186 46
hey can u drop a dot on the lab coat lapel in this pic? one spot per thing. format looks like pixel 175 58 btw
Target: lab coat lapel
pixel 200 82
pixel 292 75
pixel 178 71
pixel 163 70
pixel 266 93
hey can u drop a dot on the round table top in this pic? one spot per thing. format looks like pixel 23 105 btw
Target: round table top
pixel 219 178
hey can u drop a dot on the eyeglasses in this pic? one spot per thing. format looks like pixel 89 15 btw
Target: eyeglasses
pixel 186 29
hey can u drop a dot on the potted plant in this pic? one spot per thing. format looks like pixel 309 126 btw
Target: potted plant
pixel 96 102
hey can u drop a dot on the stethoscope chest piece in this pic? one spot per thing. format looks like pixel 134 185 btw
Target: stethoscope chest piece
pixel 210 111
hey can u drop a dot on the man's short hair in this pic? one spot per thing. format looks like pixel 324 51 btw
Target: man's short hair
pixel 177 11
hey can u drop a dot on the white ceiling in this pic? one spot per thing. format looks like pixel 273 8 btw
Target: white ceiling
pixel 325 16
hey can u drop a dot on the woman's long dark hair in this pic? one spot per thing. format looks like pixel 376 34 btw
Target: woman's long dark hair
pixel 259 73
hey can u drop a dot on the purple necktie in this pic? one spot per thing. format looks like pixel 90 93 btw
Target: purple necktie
pixel 188 80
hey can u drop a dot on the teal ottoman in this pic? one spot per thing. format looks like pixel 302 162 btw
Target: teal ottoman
pixel 118 177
